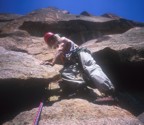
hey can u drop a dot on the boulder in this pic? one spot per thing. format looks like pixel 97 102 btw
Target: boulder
pixel 18 65
pixel 23 81
pixel 141 117
pixel 76 112
pixel 21 42
pixel 128 45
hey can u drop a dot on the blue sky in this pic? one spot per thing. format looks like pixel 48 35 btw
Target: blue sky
pixel 129 9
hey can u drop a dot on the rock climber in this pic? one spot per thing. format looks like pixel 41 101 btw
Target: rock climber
pixel 77 59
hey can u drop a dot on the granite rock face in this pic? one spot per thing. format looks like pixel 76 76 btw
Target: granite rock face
pixel 141 117
pixel 6 18
pixel 76 27
pixel 130 42
pixel 18 65
pixel 76 112
pixel 117 45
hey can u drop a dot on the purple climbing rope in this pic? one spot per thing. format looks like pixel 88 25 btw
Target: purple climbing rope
pixel 36 120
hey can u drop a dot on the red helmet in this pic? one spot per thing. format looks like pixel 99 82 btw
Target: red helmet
pixel 47 36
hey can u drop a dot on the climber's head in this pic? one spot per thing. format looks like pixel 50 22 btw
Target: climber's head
pixel 51 39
